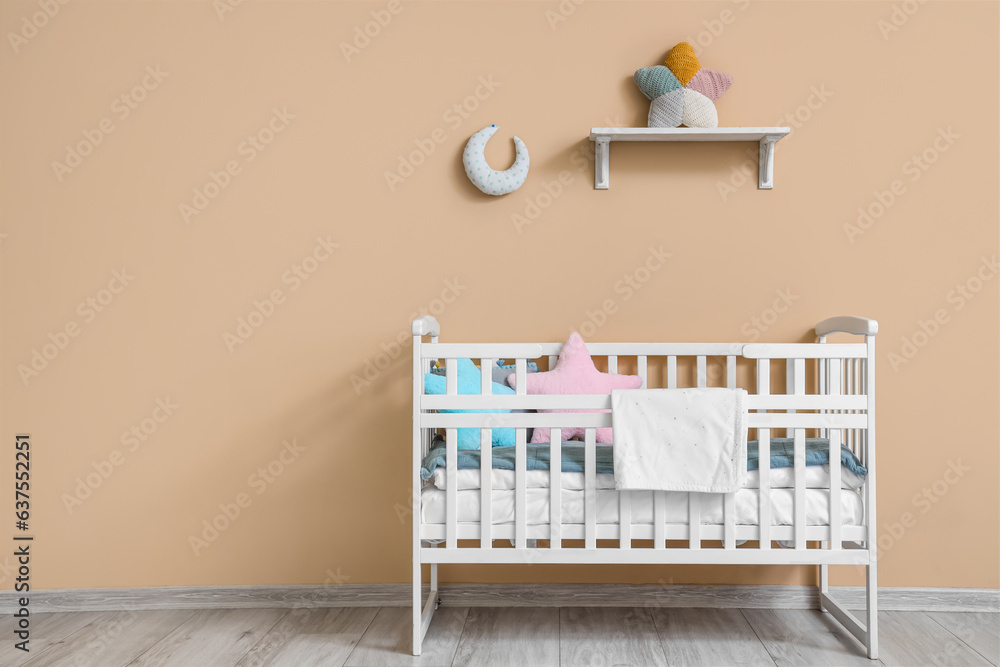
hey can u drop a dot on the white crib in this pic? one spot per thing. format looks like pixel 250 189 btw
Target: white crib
pixel 829 388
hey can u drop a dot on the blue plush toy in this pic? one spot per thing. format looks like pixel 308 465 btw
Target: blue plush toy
pixel 469 383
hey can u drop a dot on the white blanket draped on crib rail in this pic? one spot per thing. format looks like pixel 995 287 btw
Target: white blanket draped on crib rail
pixel 680 439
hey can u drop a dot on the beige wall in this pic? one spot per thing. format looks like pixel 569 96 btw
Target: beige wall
pixel 332 514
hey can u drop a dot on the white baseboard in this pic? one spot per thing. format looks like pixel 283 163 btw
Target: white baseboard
pixel 499 595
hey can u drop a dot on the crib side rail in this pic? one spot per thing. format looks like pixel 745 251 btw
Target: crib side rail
pixel 796 409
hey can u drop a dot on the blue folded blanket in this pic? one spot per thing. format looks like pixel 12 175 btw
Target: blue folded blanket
pixel 782 456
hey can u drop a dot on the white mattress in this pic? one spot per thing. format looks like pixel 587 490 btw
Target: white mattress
pixel 433 503
pixel 817 477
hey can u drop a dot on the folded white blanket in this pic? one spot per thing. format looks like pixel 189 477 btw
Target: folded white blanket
pixel 680 439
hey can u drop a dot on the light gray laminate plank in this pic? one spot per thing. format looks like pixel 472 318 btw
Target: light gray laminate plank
pixel 608 636
pixel 115 638
pixel 44 629
pixel 709 637
pixel 913 638
pixel 509 636
pixel 215 638
pixel 979 630
pixel 305 637
pixel 388 641
pixel 805 637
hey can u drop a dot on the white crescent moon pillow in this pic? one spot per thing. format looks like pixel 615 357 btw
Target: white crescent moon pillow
pixel 484 177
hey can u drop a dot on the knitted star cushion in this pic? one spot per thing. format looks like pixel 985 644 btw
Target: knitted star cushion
pixel 682 91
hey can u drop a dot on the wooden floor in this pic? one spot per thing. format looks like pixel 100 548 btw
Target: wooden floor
pixel 521 636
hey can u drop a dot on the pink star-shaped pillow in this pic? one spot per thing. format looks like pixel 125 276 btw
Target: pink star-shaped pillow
pixel 575 373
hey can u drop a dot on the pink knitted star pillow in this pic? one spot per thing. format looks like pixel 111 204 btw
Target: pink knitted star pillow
pixel 575 373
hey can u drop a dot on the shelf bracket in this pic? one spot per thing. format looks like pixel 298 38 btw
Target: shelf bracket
pixel 765 165
pixel 602 150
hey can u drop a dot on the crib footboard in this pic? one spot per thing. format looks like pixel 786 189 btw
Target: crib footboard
pixel 805 397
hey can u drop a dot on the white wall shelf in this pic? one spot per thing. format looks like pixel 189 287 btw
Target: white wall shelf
pixel 765 136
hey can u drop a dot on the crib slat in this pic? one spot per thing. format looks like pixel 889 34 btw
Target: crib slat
pixel 694 520
pixel 612 363
pixel 863 446
pixel 451 376
pixel 731 371
pixel 702 371
pixel 451 477
pixel 798 377
pixel 799 387
pixel 671 372
pixel 552 361
pixel 520 489
pixel 835 515
pixel 856 434
pixel 521 368
pixel 764 460
pixel 659 519
pixel 624 519
pixel 823 387
pixel 641 360
pixel 555 489
pixel 486 487
pixel 486 376
pixel 729 517
pixel 835 436
pixel 800 489
pixel 590 487
pixel 835 382
pixel 849 389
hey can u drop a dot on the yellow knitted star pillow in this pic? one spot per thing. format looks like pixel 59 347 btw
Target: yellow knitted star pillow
pixel 682 91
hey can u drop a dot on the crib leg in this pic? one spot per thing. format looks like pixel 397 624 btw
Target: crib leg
pixel 871 598
pixel 824 580
pixel 418 634
pixel 423 614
